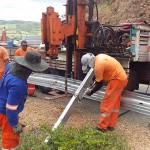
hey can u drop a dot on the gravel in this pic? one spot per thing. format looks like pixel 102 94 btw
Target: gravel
pixel 38 111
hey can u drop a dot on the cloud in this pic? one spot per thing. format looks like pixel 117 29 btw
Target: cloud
pixel 28 10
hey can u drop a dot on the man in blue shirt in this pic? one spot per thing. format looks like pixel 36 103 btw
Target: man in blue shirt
pixel 13 94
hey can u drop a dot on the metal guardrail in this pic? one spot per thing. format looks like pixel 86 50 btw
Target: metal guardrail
pixel 129 100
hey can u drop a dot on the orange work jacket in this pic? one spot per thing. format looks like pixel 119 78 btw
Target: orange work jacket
pixel 108 68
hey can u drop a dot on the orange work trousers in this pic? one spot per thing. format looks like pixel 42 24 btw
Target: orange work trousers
pixel 1 74
pixel 31 88
pixel 9 139
pixel 110 104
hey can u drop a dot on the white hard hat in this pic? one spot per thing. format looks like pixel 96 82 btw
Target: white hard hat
pixel 87 60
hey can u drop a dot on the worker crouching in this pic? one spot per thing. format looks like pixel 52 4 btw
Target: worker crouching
pixel 106 69
pixel 13 94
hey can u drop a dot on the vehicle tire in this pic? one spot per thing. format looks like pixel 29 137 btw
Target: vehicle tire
pixel 43 89
pixel 133 82
pixel 46 90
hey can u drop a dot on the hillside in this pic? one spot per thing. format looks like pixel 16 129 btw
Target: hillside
pixel 114 12
pixel 15 29
pixel 111 12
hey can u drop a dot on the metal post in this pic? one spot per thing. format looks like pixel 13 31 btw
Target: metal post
pixel 79 94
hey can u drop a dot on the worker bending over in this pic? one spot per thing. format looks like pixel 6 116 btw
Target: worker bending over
pixel 13 94
pixel 108 69
pixel 4 58
pixel 21 52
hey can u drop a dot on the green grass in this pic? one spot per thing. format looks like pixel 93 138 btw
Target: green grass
pixel 16 29
pixel 85 138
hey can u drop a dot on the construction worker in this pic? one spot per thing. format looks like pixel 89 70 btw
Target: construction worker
pixel 21 52
pixel 13 94
pixel 106 69
pixel 4 58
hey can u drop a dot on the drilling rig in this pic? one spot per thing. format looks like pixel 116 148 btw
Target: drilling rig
pixel 82 32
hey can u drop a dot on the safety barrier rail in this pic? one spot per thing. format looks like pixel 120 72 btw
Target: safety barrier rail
pixel 130 100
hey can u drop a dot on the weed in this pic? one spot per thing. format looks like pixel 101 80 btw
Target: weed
pixel 85 138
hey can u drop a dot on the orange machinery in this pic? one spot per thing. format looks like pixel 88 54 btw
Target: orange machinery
pixel 80 32
pixel 74 31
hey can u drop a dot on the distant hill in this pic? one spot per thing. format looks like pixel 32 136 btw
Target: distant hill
pixel 15 29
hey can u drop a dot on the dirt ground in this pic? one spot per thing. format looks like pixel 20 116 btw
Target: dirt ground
pixel 114 12
pixel 135 126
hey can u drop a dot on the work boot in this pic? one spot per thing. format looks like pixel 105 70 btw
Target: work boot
pixel 32 95
pixel 110 128
pixel 101 130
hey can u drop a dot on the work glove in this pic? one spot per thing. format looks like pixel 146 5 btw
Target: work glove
pixel 88 92
pixel 18 128
pixel 94 88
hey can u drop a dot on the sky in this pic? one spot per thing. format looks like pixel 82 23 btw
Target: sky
pixel 28 10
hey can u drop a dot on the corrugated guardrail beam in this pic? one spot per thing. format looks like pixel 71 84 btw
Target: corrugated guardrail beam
pixel 130 100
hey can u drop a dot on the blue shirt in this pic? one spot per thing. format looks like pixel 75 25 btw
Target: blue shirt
pixel 13 93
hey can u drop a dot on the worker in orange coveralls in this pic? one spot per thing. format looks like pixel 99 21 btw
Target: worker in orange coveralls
pixel 13 93
pixel 4 58
pixel 21 52
pixel 106 69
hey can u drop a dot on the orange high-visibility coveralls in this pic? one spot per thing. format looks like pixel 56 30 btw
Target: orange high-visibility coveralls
pixel 9 138
pixel 20 52
pixel 108 69
pixel 4 58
